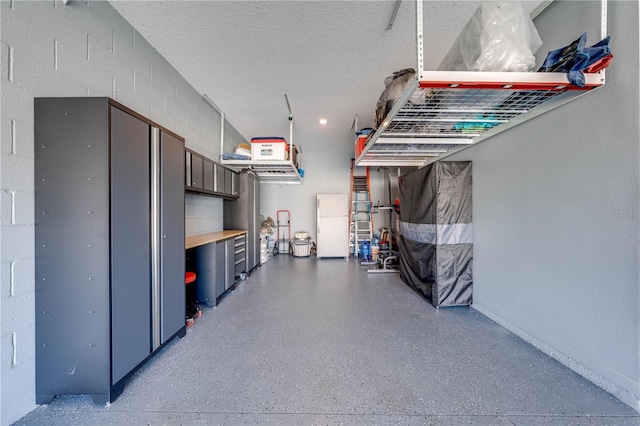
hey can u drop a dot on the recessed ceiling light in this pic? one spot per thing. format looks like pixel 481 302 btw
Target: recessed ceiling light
pixel 322 121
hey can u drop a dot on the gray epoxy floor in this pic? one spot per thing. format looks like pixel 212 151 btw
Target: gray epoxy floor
pixel 304 342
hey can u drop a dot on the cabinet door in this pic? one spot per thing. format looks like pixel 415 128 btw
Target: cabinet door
pixel 235 190
pixel 172 267
pixel 197 165
pixel 220 268
pixel 230 272
pixel 206 270
pixel 207 182
pixel 219 178
pixel 228 181
pixel 130 243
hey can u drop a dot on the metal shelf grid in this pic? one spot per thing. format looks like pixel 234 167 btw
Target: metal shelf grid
pixel 282 172
pixel 275 172
pixel 442 112
pixel 448 111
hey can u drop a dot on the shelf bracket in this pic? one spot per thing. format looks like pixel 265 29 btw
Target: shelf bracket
pixel 219 111
pixel 286 98
pixel 542 6
pixel 603 31
pixel 419 39
pixel 394 14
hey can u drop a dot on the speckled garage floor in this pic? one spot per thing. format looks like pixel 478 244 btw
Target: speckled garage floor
pixel 305 342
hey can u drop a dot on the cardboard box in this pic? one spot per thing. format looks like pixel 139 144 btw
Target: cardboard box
pixel 269 148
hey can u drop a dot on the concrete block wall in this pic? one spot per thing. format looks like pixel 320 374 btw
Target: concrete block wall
pixel 232 138
pixel 205 214
pixel 50 49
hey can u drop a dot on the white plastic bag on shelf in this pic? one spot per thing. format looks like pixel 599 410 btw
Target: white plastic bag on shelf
pixel 498 37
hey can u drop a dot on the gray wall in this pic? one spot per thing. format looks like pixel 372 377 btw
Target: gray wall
pixel 327 165
pixel 49 49
pixel 556 214
pixel 327 170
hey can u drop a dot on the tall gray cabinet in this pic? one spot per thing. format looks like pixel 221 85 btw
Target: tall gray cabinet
pixel 244 213
pixel 109 196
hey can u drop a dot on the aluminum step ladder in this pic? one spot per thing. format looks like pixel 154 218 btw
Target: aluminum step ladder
pixel 360 219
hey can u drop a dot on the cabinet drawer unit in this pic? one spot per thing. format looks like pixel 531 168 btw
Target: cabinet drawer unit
pixel 239 254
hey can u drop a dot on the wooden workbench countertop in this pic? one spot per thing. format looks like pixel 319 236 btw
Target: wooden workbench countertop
pixel 211 237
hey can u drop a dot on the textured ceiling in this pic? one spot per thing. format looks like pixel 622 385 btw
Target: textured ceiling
pixel 329 57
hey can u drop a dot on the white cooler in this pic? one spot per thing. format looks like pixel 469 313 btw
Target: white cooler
pixel 269 148
pixel 301 247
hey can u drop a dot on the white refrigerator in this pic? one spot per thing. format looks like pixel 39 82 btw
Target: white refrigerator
pixel 332 231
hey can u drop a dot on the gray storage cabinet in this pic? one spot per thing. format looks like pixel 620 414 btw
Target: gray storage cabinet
pixel 109 192
pixel 216 264
pixel 244 213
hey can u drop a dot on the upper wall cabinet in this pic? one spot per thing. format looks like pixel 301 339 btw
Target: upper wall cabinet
pixel 204 176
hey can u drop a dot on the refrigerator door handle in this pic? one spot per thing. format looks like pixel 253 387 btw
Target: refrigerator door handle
pixel 318 216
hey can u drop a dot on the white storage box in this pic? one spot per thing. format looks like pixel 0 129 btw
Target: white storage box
pixel 271 148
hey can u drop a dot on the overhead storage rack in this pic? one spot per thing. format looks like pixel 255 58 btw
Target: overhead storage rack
pixel 442 112
pixel 268 171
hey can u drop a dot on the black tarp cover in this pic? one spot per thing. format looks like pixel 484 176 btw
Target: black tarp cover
pixel 436 232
